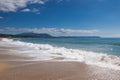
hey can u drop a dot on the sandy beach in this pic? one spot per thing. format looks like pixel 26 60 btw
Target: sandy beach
pixel 57 71
pixel 59 39
pixel 51 70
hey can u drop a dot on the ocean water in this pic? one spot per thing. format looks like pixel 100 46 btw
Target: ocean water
pixel 103 52
pixel 99 45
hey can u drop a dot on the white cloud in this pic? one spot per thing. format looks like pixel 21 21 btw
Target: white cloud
pixel 54 31
pixel 26 10
pixel 14 5
pixel 58 1
pixel 34 10
pixel 1 17
pixel 77 31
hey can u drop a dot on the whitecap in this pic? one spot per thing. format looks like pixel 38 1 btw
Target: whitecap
pixel 47 52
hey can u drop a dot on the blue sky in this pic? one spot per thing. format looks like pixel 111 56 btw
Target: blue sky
pixel 61 17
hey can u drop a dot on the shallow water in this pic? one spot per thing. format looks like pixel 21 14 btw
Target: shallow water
pixel 100 45
pixel 102 52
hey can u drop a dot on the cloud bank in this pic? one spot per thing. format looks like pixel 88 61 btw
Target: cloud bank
pixel 14 5
pixel 53 31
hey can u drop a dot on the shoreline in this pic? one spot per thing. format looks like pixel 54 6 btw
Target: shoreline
pixel 47 70
pixel 18 67
pixel 51 70
pixel 41 52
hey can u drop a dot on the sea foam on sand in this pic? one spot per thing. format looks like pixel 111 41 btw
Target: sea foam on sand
pixel 40 52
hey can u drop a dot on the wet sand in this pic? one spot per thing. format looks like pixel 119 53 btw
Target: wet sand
pixel 3 68
pixel 51 70
pixel 57 71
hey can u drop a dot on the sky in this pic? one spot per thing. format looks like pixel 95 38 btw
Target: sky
pixel 61 17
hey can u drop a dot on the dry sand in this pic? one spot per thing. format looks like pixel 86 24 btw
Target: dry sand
pixel 51 70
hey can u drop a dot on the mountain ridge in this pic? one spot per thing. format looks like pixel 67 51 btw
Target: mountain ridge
pixel 41 35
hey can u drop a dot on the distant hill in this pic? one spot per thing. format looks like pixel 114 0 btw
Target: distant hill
pixel 6 35
pixel 30 34
pixel 26 35
pixel 41 35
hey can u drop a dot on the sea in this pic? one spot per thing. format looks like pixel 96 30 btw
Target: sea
pixel 102 52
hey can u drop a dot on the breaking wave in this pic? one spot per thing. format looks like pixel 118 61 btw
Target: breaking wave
pixel 49 52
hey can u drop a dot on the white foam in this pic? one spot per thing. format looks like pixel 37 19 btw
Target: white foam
pixel 49 52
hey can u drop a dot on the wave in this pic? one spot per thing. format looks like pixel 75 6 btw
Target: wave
pixel 49 52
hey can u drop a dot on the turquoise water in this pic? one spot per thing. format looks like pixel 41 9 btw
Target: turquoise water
pixel 102 52
pixel 99 45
